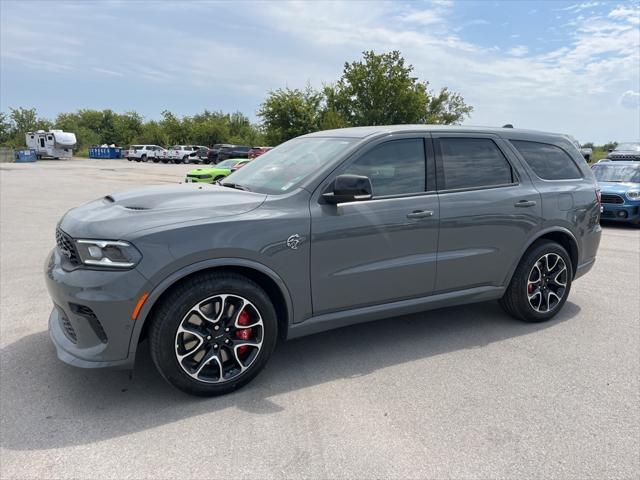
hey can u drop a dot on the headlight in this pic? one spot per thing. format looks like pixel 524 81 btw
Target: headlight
pixel 633 194
pixel 108 253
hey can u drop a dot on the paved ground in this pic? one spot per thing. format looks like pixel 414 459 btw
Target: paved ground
pixel 458 393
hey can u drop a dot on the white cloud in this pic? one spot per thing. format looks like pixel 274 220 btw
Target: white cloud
pixel 578 7
pixel 424 17
pixel 106 71
pixel 630 99
pixel 631 15
pixel 519 51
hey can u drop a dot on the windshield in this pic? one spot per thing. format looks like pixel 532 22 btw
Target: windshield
pixel 282 169
pixel 629 146
pixel 617 173
pixel 227 164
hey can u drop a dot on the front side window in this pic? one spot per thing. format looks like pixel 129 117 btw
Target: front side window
pixel 394 168
pixel 473 163
pixel 282 169
pixel 547 161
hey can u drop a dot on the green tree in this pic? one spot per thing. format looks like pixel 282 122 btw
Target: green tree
pixel 6 128
pixel 382 90
pixel 288 113
pixel 24 119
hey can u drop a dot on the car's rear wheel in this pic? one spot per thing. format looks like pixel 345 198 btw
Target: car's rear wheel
pixel 541 283
pixel 143 158
pixel 213 333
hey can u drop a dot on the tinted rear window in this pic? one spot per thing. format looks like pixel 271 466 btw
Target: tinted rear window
pixel 547 161
pixel 473 163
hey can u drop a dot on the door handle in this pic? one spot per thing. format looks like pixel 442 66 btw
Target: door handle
pixel 420 214
pixel 525 203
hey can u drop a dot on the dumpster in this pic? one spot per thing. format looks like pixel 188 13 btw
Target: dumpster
pixel 105 152
pixel 23 156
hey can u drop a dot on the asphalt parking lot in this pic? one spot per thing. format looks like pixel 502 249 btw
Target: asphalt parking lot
pixel 464 392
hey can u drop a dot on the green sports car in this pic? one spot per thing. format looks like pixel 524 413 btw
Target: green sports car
pixel 213 173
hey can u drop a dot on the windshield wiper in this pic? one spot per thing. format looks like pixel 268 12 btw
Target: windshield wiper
pixel 237 186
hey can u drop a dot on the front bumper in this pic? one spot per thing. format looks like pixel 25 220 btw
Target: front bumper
pixel 91 324
pixel 620 212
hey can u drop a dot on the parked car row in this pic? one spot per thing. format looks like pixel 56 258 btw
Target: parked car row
pixel 192 153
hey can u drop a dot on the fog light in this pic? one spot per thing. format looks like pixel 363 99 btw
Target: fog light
pixel 622 214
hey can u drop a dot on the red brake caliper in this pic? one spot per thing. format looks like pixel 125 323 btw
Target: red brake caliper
pixel 245 333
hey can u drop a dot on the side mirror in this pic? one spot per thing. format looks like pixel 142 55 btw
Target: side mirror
pixel 348 188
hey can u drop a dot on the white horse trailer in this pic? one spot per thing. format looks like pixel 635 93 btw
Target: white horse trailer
pixel 54 143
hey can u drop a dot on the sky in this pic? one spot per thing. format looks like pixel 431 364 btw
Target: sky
pixel 562 66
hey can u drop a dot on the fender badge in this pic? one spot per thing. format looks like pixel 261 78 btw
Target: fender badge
pixel 293 241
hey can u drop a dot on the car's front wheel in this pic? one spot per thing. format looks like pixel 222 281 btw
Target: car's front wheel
pixel 541 283
pixel 213 333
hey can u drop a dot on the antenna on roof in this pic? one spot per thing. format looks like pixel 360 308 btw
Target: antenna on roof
pixel 508 125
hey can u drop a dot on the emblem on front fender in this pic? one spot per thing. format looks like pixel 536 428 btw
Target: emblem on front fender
pixel 293 241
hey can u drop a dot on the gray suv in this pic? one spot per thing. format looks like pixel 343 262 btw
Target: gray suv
pixel 326 230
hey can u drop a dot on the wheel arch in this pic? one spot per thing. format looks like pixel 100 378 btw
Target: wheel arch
pixel 259 273
pixel 559 235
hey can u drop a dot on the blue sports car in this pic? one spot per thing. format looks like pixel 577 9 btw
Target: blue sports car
pixel 620 190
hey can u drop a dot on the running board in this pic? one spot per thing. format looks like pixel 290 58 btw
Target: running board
pixel 329 321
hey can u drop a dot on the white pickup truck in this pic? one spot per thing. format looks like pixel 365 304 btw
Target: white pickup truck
pixel 142 153
pixel 183 154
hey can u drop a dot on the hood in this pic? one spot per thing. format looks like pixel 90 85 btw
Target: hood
pixel 617 187
pixel 118 215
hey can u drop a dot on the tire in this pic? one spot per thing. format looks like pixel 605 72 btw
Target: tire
pixel 185 159
pixel 524 293
pixel 165 161
pixel 155 160
pixel 168 338
pixel 128 159
pixel 143 158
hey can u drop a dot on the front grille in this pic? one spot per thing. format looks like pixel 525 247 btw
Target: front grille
pixel 624 156
pixel 67 328
pixel 91 317
pixel 66 247
pixel 607 198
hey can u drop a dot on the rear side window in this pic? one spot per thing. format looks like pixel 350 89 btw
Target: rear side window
pixel 473 163
pixel 547 161
pixel 394 168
